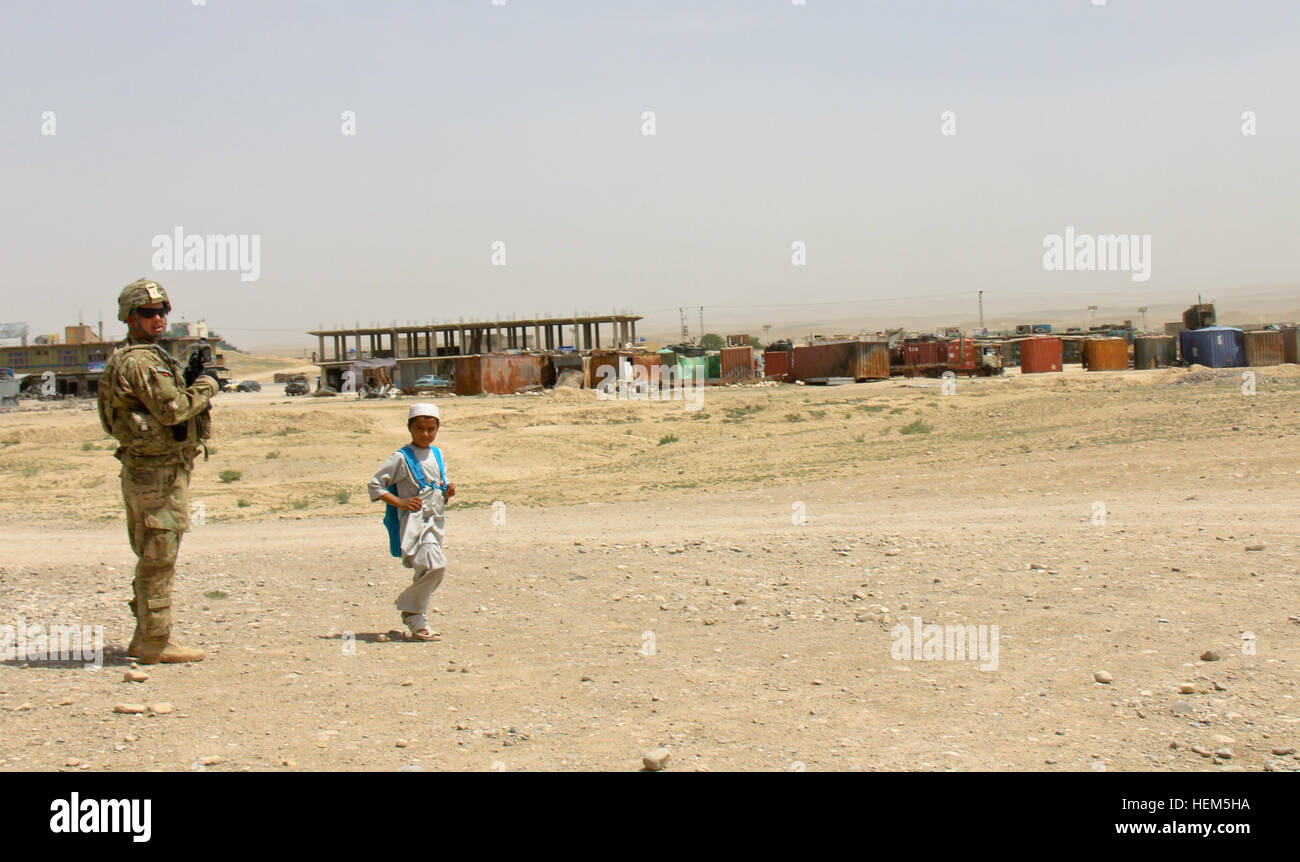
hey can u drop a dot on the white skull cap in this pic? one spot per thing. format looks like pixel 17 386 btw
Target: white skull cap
pixel 424 408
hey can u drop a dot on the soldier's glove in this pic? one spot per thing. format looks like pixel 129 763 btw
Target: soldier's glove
pixel 205 385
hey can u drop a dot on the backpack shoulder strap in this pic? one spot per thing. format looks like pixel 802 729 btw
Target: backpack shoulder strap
pixel 442 471
pixel 417 471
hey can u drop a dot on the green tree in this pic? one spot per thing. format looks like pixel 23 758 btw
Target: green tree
pixel 712 341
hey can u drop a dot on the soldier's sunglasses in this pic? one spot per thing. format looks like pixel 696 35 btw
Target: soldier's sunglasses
pixel 150 313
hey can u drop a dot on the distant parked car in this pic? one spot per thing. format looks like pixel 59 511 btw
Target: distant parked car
pixel 221 374
pixel 249 386
pixel 432 381
pixel 298 386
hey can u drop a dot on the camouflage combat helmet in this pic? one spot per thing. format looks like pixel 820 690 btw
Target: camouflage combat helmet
pixel 140 292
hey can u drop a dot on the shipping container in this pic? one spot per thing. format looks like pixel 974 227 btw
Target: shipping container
pixel 1038 355
pixel 1155 351
pixel 1214 346
pixel 737 363
pixel 1291 344
pixel 714 364
pixel 499 375
pixel 1105 354
pixel 605 364
pixel 650 362
pixel 961 356
pixel 925 358
pixel 776 364
pixel 1263 348
pixel 860 360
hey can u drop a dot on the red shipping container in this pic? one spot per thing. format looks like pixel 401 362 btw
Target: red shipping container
pixel 922 353
pixel 1038 355
pixel 859 360
pixel 963 355
pixel 776 364
pixel 736 363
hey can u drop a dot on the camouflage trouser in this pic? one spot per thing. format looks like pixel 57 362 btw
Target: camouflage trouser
pixel 157 513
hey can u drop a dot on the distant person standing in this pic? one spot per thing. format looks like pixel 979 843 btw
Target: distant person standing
pixel 160 424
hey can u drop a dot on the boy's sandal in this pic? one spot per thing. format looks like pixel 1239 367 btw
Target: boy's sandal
pixel 424 633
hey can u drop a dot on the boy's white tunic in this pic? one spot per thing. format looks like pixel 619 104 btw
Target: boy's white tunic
pixel 421 531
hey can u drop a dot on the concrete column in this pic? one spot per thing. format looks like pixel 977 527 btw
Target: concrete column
pixel 633 331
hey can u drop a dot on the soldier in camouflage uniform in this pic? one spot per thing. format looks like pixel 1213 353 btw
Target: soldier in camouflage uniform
pixel 160 424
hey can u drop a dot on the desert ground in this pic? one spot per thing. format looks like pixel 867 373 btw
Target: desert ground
pixel 723 583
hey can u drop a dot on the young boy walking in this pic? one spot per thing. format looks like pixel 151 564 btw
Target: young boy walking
pixel 413 483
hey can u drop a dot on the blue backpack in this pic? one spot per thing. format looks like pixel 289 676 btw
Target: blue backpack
pixel 392 519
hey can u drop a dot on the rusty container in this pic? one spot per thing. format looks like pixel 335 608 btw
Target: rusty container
pixel 921 353
pixel 468 380
pixel 776 364
pixel 506 375
pixel 1155 351
pixel 603 364
pixel 1264 348
pixel 498 375
pixel 1105 354
pixel 651 362
pixel 736 363
pixel 860 360
pixel 961 355
pixel 1291 344
pixel 872 359
pixel 1038 355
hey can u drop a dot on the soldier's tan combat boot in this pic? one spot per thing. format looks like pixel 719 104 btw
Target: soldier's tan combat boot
pixel 156 650
pixel 133 648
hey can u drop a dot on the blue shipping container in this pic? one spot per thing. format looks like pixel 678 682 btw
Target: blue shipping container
pixel 1213 346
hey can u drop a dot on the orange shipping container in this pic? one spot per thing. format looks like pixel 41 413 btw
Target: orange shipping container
pixel 1038 355
pixel 1105 354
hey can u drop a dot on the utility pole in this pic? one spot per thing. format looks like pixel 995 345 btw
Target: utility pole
pixel 981 309
pixel 1143 309
pixel 686 333
pixel 1093 309
pixel 701 323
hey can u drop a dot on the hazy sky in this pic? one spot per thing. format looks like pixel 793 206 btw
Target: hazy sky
pixel 522 123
